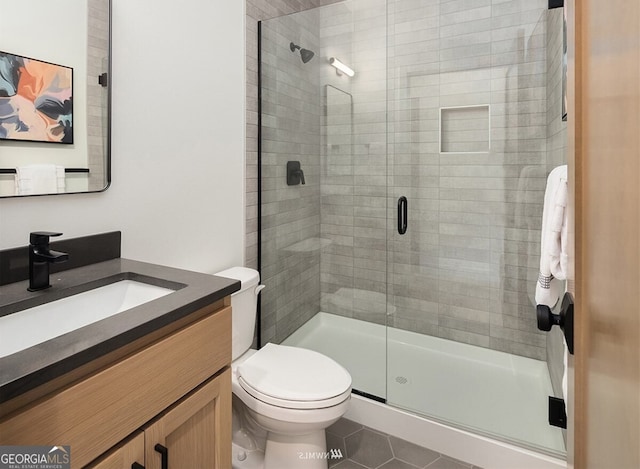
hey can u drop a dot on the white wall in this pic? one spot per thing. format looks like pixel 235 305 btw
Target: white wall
pixel 178 141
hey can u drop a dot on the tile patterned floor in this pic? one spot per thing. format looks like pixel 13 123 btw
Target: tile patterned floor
pixel 365 448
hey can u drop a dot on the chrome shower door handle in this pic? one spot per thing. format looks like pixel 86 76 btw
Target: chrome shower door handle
pixel 402 215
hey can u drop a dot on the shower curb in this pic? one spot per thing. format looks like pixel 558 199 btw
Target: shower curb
pixel 459 444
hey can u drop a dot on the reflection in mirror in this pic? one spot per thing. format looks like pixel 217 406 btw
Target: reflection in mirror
pixel 339 132
pixel 54 97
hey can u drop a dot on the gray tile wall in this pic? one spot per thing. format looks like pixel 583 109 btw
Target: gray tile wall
pixel 556 127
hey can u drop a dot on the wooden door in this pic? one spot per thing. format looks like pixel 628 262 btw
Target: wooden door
pixel 123 457
pixel 196 431
pixel 604 128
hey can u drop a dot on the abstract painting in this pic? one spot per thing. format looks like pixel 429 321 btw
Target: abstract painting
pixel 36 100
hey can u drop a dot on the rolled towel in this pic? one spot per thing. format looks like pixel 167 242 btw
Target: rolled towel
pixel 553 241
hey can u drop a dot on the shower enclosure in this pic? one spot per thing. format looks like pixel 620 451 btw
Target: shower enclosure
pixel 401 206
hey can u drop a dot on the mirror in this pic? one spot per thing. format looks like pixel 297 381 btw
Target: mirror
pixel 338 159
pixel 55 97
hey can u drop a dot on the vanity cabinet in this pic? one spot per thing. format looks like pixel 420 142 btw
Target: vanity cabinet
pixel 125 456
pixel 188 433
pixel 174 390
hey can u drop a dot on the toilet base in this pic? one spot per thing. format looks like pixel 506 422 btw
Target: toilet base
pixel 246 459
pixel 297 451
pixel 286 452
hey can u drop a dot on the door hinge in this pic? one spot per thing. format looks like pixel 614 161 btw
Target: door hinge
pixel 557 412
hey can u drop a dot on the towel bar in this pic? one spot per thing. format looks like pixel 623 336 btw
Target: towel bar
pixel 66 170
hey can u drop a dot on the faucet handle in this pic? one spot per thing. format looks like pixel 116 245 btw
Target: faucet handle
pixel 40 238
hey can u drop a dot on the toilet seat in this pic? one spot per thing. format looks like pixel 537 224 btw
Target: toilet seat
pixel 294 378
pixel 321 404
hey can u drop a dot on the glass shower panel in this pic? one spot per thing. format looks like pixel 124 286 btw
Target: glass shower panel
pixel 323 244
pixel 468 149
pixel 351 251
pixel 354 187
pixel 290 213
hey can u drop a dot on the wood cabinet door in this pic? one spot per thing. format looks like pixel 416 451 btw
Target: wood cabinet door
pixel 196 431
pixel 123 457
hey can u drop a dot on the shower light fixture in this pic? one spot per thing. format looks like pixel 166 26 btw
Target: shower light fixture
pixel 340 67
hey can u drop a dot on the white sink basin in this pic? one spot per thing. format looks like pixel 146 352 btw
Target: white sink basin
pixel 33 326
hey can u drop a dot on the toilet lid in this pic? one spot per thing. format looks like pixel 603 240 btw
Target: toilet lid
pixel 294 374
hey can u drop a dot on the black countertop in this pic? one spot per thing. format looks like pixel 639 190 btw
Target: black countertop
pixel 34 366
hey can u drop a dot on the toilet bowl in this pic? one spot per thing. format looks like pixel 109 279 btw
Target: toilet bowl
pixel 284 397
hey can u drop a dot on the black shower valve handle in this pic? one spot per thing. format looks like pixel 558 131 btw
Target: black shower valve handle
pixel 295 175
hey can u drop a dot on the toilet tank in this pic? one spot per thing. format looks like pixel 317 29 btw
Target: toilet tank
pixel 243 308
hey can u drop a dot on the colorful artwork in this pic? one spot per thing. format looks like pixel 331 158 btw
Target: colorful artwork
pixel 36 100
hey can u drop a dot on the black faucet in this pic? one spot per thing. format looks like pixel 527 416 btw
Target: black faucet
pixel 40 256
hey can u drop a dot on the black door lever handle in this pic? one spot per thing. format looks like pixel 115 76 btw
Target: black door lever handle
pixel 546 319
pixel 402 215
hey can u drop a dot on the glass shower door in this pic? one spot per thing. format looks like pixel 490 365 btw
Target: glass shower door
pixel 413 238
pixel 353 213
pixel 468 149
pixel 353 261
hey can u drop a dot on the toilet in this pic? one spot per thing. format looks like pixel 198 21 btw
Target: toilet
pixel 283 397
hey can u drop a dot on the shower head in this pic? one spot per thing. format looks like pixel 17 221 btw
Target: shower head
pixel 305 54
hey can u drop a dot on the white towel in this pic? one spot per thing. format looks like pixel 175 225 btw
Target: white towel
pixel 40 179
pixel 553 242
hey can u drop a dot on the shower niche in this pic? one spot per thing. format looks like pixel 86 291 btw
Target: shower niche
pixel 465 129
